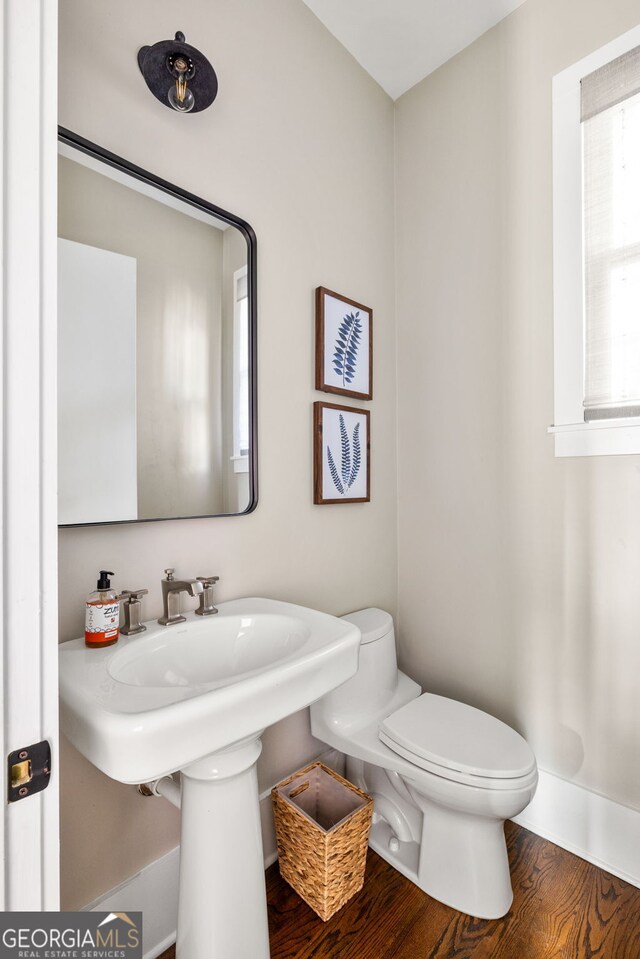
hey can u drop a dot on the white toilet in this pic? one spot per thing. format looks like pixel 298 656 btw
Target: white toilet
pixel 444 776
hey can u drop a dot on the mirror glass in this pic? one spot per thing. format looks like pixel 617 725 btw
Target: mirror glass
pixel 156 347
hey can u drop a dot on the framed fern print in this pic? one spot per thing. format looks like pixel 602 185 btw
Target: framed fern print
pixel 341 454
pixel 344 345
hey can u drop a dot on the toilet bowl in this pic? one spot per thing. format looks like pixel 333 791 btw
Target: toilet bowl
pixel 444 776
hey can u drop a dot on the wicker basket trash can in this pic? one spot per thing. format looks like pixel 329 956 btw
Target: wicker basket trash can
pixel 322 828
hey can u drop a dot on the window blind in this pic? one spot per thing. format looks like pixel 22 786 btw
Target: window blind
pixel 610 111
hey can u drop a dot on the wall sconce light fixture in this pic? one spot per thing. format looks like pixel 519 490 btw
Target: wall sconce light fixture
pixel 178 75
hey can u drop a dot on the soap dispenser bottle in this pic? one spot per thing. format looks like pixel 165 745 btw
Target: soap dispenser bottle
pixel 102 614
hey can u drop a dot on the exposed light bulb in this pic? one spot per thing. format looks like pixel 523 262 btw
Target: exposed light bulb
pixel 180 96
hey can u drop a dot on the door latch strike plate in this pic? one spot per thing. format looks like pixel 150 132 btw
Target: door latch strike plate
pixel 28 770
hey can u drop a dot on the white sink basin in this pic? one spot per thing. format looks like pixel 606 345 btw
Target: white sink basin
pixel 157 702
pixel 209 652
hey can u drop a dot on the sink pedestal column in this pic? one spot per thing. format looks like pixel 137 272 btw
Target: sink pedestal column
pixel 222 906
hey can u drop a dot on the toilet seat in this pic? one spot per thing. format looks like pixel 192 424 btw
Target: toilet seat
pixel 459 742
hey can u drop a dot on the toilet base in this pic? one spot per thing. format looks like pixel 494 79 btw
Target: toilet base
pixel 462 862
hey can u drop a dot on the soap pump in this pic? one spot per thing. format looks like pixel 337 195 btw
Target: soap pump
pixel 102 618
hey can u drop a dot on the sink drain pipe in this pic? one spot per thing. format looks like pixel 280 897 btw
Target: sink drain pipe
pixel 166 787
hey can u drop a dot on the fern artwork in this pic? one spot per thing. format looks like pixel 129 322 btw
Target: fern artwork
pixel 345 356
pixel 343 345
pixel 351 459
pixel 341 454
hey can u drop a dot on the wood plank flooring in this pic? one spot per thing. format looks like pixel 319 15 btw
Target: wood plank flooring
pixel 563 908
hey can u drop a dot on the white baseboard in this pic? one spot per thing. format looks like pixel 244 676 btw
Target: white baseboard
pixel 154 890
pixel 597 829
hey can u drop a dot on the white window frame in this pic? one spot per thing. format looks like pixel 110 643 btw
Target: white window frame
pixel 572 436
pixel 239 459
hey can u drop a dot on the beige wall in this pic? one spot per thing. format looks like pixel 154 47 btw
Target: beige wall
pixel 519 572
pixel 299 143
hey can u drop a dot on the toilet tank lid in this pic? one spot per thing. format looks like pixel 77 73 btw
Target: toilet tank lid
pixel 373 623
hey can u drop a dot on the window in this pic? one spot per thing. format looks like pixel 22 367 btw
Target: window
pixel 240 371
pixel 596 143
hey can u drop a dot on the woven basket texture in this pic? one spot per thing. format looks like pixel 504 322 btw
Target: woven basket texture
pixel 322 861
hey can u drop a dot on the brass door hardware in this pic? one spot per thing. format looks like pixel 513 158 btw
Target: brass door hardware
pixel 28 770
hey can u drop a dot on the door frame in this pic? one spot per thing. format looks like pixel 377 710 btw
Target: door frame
pixel 29 841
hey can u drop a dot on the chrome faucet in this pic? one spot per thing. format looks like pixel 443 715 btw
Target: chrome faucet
pixel 171 589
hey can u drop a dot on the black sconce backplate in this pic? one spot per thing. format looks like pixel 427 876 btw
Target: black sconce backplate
pixel 153 60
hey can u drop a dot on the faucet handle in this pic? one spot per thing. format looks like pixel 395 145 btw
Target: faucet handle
pixel 208 580
pixel 169 572
pixel 132 609
pixel 133 595
pixel 206 607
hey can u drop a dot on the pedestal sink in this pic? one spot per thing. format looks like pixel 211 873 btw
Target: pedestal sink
pixel 196 697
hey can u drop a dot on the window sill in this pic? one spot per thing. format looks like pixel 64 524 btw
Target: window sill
pixel 240 464
pixel 606 438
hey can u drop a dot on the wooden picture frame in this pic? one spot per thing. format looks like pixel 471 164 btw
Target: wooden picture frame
pixel 341 454
pixel 344 345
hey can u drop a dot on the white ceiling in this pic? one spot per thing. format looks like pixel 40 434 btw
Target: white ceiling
pixel 401 41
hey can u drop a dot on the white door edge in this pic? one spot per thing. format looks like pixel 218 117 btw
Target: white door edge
pixel 29 840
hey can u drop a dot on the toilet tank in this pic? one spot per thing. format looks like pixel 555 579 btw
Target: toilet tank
pixel 376 680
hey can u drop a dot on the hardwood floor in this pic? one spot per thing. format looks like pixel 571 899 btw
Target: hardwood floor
pixel 563 908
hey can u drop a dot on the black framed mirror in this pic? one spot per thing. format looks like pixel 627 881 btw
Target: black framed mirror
pixel 157 363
